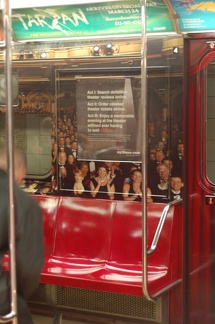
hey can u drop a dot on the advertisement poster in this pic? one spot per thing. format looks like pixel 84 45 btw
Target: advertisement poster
pixel 110 18
pixel 155 9
pixel 195 15
pixel 84 20
pixel 89 20
pixel 108 120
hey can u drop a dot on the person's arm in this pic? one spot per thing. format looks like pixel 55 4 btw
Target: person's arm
pixel 126 195
pixel 111 189
pixel 94 190
pixel 149 195
pixel 75 189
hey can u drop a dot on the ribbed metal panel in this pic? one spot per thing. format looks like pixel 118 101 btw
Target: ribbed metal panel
pixel 99 302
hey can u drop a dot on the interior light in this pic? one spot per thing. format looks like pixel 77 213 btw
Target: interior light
pixel 96 50
pixel 109 49
pixel 43 55
pixel 21 55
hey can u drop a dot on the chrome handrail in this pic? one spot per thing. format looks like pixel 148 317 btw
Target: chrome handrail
pixel 161 224
pixel 154 243
pixel 10 162
pixel 145 251
pixel 144 146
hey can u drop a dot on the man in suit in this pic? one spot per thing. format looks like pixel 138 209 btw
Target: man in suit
pixel 177 159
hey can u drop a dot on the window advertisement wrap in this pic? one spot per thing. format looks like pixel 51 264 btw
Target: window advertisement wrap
pixel 108 116
pixel 195 15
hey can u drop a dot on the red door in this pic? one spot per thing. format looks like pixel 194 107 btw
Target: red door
pixel 199 114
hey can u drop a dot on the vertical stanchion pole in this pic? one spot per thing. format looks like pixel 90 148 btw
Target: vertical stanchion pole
pixel 10 162
pixel 144 148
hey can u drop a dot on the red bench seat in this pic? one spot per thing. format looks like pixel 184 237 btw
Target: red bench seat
pixel 97 244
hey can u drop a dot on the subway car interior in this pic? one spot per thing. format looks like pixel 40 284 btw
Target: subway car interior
pixel 119 93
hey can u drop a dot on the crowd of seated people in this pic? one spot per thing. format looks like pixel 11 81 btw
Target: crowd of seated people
pixel 118 180
pixel 166 154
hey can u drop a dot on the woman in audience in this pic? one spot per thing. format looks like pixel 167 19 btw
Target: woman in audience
pixel 132 191
pixel 101 187
pixel 78 185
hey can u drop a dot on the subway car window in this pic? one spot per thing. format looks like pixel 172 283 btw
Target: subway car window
pixel 32 114
pixel 210 119
pixel 32 131
pixel 97 125
pixel 165 146
pixel 79 124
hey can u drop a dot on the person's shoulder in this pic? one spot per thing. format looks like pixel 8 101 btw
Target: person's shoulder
pixel 94 180
pixel 126 186
pixel 3 176
pixel 3 187
pixel 24 198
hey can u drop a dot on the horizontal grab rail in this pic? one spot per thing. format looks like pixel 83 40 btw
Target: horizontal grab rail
pixel 161 224
pixel 7 318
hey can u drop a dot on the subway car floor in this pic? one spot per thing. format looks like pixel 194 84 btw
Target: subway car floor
pixel 78 319
pixel 40 319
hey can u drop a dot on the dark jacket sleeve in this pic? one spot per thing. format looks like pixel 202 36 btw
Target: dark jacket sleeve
pixel 29 243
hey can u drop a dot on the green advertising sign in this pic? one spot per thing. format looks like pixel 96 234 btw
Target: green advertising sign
pixel 158 20
pixel 88 20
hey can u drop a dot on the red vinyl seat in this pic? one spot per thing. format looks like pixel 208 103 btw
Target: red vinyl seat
pixel 97 244
pixel 82 239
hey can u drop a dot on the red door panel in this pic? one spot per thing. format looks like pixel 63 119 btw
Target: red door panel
pixel 199 217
